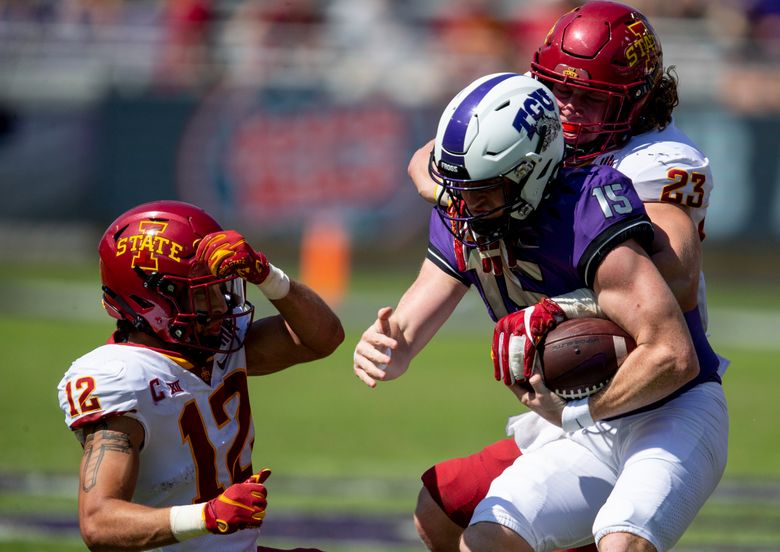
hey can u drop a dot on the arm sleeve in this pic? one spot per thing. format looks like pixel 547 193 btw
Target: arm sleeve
pixel 441 249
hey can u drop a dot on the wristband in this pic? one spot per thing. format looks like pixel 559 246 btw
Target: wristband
pixel 580 303
pixel 187 522
pixel 576 416
pixel 276 285
pixel 441 195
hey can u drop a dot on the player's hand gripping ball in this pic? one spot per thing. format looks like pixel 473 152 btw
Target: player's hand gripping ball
pixel 516 338
pixel 242 505
pixel 580 356
pixel 226 253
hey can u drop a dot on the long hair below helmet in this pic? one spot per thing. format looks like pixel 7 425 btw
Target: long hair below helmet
pixel 610 50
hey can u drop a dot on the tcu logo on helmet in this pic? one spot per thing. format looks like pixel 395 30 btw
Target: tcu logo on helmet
pixel 148 244
pixel 534 107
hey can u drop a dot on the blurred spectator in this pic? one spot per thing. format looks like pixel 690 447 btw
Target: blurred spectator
pixel 751 85
pixel 410 52
pixel 378 52
pixel 26 10
pixel 184 56
pixel 284 15
pixel 90 13
pixel 530 24
pixel 683 9
pixel 268 40
pixel 763 37
pixel 473 38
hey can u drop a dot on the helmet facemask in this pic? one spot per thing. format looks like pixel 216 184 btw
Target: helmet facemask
pixel 211 314
pixel 485 226
pixel 610 50
pixel 202 313
pixel 151 280
pixel 604 131
pixel 522 189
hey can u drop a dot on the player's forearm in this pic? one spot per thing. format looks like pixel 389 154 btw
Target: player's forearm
pixel 423 310
pixel 580 303
pixel 676 252
pixel 314 323
pixel 664 359
pixel 119 525
pixel 413 333
pixel 418 172
pixel 682 280
pixel 649 373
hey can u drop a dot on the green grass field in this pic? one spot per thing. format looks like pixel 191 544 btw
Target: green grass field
pixel 334 444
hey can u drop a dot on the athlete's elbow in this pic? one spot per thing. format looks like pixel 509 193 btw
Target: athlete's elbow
pixel 329 340
pixel 690 367
pixel 97 530
pixel 681 362
pixel 336 339
pixel 93 535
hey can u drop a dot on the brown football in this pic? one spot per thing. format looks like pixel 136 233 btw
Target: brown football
pixel 580 356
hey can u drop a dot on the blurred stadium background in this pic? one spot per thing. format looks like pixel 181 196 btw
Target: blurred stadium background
pixel 294 121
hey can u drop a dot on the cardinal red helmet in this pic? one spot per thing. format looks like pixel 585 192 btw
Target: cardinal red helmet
pixel 151 279
pixel 607 49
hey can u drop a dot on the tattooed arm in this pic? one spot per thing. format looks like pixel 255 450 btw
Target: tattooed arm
pixel 109 468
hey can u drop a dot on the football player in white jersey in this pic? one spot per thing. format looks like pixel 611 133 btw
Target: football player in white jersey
pixel 162 410
pixel 604 63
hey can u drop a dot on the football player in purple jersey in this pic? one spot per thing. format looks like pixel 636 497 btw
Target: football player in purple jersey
pixel 541 244
pixel 604 63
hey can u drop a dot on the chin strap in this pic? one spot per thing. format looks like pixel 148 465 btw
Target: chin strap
pixel 135 319
pixel 493 252
pixel 493 256
pixel 490 256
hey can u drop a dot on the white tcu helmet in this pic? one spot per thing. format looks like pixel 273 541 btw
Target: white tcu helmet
pixel 501 131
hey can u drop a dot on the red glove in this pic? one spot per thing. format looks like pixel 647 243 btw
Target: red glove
pixel 226 253
pixel 522 332
pixel 242 505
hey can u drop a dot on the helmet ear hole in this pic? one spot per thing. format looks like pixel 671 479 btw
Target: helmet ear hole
pixel 141 302
pixel 168 288
pixel 497 134
pixel 544 170
pixel 178 331
pixel 146 265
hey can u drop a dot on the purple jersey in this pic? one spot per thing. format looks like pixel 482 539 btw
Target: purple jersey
pixel 589 211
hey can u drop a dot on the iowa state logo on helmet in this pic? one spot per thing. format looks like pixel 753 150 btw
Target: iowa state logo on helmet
pixel 643 47
pixel 149 245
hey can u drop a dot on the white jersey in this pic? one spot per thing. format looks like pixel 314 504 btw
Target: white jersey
pixel 179 413
pixel 666 166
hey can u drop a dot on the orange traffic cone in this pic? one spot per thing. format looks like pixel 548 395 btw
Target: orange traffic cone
pixel 325 259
